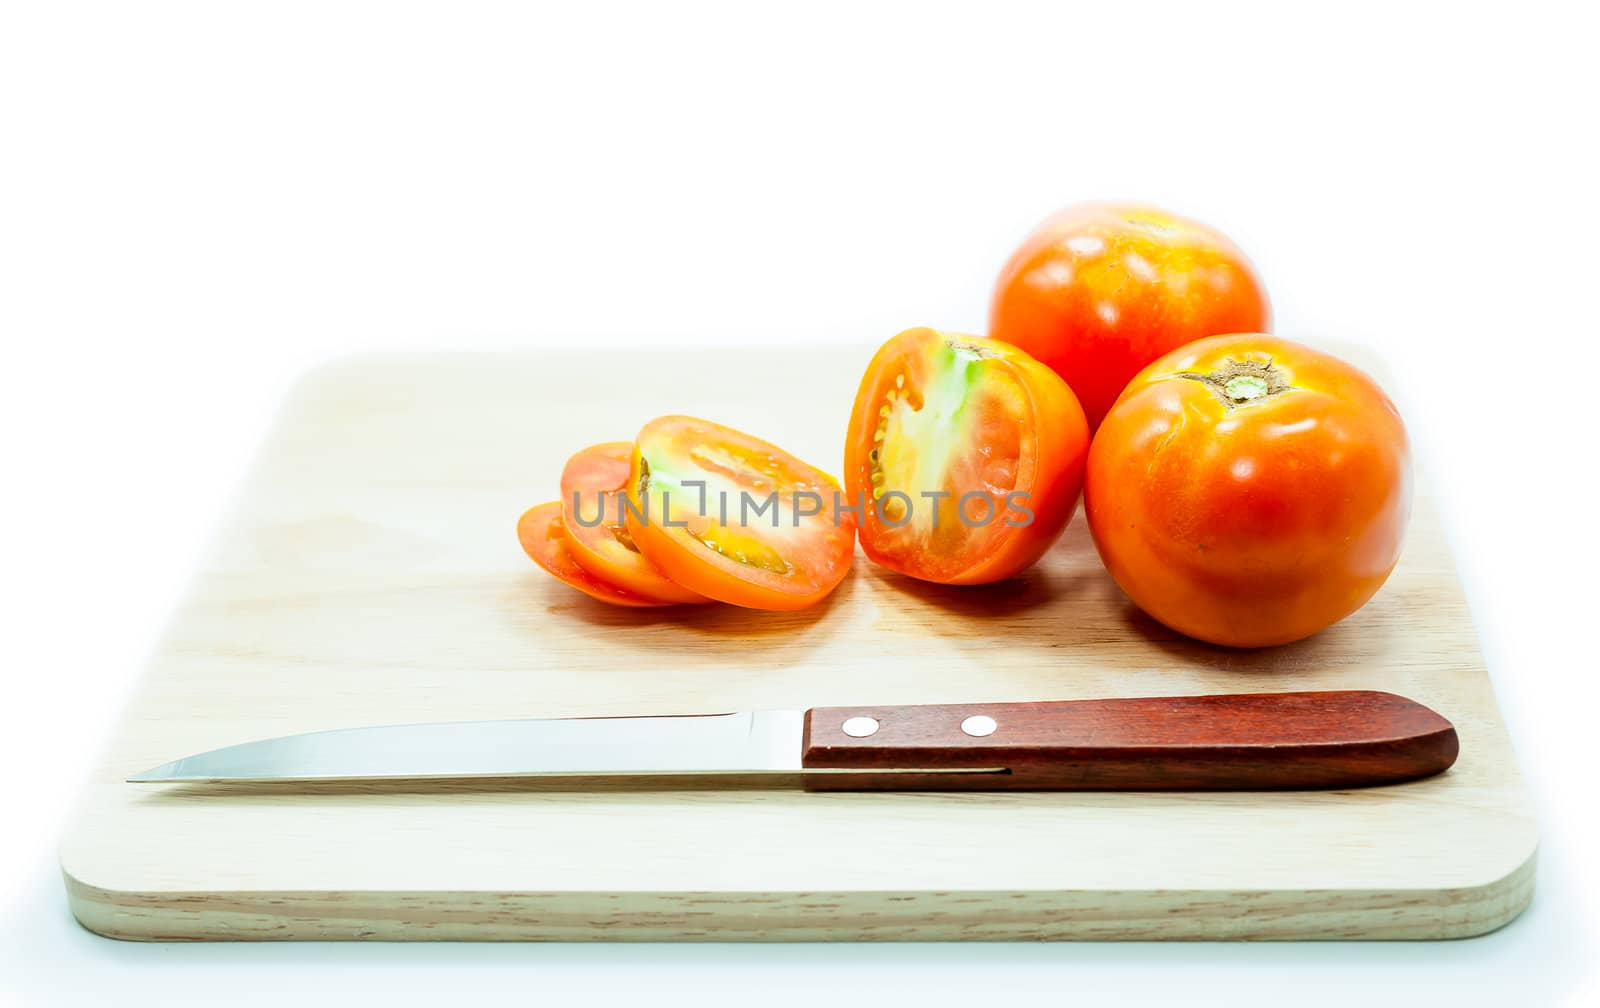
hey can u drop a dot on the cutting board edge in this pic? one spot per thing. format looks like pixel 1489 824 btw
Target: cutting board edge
pixel 747 916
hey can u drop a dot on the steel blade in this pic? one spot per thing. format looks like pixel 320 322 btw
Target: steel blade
pixel 752 742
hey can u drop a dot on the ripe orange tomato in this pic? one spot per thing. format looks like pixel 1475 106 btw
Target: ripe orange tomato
pixel 967 455
pixel 544 539
pixel 1100 290
pixel 735 518
pixel 1248 491
pixel 591 510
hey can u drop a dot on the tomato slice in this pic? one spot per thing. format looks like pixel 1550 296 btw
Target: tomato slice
pixel 970 453
pixel 544 539
pixel 735 518
pixel 591 509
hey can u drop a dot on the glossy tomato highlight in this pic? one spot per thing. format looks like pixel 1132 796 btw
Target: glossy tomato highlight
pixel 1248 491
pixel 1100 290
pixel 969 454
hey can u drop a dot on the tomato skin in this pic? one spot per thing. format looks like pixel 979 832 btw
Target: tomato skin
pixel 1099 290
pixel 1250 523
pixel 793 564
pixel 591 484
pixel 1051 444
pixel 544 539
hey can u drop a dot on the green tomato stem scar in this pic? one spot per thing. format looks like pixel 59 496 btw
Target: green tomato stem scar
pixel 1244 387
pixel 1241 382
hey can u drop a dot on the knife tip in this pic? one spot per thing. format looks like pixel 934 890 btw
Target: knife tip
pixel 155 775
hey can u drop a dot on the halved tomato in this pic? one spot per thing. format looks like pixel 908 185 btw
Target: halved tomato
pixel 591 508
pixel 970 454
pixel 544 539
pixel 735 518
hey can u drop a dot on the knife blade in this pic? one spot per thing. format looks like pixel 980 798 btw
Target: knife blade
pixel 1253 741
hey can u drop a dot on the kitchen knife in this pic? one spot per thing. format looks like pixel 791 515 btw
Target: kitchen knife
pixel 1256 741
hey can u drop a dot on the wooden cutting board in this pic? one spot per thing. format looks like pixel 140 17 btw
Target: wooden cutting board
pixel 372 576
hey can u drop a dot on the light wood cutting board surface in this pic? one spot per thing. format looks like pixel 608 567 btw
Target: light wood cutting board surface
pixel 371 575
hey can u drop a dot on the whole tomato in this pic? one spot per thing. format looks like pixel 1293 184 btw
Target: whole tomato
pixel 1248 491
pixel 1099 290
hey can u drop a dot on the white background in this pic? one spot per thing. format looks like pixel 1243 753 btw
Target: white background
pixel 198 201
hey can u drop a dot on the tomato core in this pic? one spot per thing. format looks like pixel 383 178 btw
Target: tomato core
pixel 922 458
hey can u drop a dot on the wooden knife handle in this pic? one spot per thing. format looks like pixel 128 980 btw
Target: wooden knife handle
pixel 1242 742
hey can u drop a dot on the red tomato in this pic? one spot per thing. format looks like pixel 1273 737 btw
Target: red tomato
pixel 735 518
pixel 1100 290
pixel 1249 491
pixel 591 509
pixel 969 454
pixel 544 539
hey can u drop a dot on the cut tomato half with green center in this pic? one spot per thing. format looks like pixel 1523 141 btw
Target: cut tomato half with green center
pixel 591 507
pixel 970 454
pixel 544 539
pixel 735 518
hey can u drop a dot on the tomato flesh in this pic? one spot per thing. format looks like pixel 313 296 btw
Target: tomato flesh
pixel 735 518
pixel 591 508
pixel 970 456
pixel 544 538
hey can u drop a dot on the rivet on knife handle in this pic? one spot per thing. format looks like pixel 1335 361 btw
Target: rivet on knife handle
pixel 1254 741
